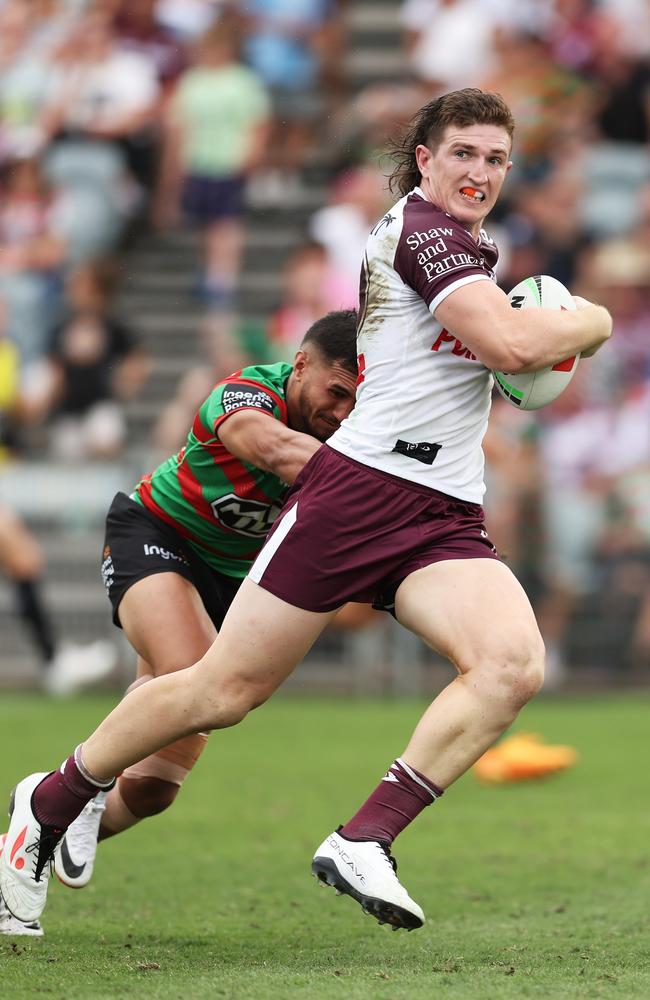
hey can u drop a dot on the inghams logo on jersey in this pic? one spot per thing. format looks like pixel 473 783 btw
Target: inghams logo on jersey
pixel 238 397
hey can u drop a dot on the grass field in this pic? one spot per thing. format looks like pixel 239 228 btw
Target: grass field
pixel 537 890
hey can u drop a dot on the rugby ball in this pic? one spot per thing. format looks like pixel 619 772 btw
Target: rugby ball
pixel 534 389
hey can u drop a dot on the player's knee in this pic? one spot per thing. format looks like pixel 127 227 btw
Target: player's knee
pixel 522 673
pixel 147 796
pixel 232 702
pixel 510 671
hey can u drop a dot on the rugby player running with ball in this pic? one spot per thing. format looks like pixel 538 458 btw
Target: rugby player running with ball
pixel 388 511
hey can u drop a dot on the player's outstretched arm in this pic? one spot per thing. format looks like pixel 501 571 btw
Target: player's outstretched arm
pixel 505 339
pixel 267 444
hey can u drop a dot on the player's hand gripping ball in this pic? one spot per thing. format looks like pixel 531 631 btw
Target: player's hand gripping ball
pixel 535 389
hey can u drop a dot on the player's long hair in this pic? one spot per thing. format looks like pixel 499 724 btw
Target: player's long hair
pixel 461 108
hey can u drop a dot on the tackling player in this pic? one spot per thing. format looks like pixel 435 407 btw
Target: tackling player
pixel 177 549
pixel 389 510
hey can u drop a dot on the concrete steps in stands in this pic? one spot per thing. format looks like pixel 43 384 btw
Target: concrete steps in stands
pixel 158 299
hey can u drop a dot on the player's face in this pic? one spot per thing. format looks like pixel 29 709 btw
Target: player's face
pixel 464 174
pixel 325 393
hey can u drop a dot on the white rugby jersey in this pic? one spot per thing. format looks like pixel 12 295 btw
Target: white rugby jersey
pixel 423 398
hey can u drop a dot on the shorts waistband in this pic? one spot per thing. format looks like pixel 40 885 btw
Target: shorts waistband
pixel 406 484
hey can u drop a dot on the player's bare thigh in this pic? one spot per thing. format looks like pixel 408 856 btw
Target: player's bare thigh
pixel 473 611
pixel 261 641
pixel 165 621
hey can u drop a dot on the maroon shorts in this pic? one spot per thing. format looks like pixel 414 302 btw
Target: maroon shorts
pixel 351 533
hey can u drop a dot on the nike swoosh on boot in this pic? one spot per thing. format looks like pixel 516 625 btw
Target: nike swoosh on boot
pixel 70 868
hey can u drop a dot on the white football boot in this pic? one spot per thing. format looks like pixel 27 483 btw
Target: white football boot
pixel 366 871
pixel 26 859
pixel 11 925
pixel 8 923
pixel 75 856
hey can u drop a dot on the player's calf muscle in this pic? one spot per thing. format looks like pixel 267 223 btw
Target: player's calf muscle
pixel 147 796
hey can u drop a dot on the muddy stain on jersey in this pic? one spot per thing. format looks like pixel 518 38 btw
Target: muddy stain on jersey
pixel 375 297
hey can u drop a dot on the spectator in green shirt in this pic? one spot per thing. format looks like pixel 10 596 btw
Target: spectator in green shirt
pixel 216 133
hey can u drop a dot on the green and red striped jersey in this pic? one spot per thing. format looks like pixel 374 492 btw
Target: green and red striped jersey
pixel 224 508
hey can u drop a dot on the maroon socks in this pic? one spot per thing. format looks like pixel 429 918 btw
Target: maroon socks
pixel 400 796
pixel 60 797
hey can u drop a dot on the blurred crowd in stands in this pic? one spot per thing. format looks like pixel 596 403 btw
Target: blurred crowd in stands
pixel 120 118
